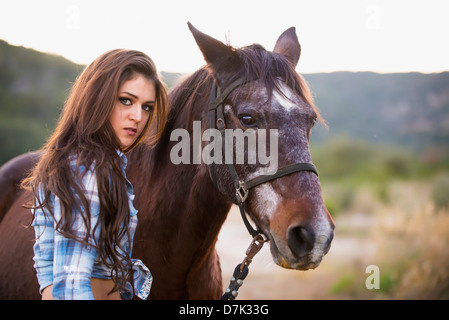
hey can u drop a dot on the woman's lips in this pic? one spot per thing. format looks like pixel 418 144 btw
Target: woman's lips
pixel 131 131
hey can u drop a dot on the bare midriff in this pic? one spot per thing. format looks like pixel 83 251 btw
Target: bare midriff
pixel 100 290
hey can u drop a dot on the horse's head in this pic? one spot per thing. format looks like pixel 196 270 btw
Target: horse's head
pixel 289 210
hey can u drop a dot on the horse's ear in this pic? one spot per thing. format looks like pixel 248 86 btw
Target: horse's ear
pixel 289 46
pixel 222 59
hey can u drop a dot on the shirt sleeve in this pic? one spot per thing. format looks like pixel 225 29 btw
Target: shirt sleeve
pixel 73 260
pixel 65 262
pixel 43 248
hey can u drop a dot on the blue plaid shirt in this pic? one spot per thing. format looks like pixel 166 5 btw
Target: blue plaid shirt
pixel 67 264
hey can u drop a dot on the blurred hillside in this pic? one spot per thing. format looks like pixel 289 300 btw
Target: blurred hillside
pixel 33 87
pixel 407 109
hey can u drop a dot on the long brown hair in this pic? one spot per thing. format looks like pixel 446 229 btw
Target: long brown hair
pixel 84 131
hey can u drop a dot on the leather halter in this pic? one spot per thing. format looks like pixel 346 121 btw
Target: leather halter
pixel 217 121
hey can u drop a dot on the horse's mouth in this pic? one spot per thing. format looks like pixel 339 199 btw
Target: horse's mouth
pixel 283 257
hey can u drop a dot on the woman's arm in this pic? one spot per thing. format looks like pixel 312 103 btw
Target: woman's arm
pixel 46 293
pixel 73 260
pixel 43 248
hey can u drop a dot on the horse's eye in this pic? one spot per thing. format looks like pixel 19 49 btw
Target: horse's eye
pixel 247 120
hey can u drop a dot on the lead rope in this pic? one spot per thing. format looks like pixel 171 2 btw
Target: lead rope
pixel 242 269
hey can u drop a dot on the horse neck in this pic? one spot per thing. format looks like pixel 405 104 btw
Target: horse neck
pixel 179 203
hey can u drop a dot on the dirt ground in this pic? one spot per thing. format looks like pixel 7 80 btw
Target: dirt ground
pixel 268 281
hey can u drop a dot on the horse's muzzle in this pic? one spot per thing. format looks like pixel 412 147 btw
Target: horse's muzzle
pixel 302 248
pixel 290 260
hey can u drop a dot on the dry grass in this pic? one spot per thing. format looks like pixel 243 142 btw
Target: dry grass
pixel 413 240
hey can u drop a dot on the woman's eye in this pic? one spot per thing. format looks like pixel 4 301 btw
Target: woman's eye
pixel 247 121
pixel 147 108
pixel 125 101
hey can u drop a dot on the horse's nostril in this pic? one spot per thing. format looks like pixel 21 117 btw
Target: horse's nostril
pixel 300 240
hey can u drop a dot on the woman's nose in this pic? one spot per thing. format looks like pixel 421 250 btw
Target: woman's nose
pixel 136 113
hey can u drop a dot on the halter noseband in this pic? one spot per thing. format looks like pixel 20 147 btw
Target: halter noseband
pixel 216 121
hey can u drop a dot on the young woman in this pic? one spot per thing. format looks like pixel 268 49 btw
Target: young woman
pixel 83 214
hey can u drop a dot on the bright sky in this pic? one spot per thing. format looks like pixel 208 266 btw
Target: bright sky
pixel 353 35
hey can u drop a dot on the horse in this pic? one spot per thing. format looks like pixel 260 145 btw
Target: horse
pixel 11 175
pixel 182 206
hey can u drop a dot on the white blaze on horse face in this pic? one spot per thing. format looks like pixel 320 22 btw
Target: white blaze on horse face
pixel 293 137
pixel 286 98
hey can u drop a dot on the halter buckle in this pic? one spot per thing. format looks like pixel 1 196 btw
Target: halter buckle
pixel 241 192
pixel 220 124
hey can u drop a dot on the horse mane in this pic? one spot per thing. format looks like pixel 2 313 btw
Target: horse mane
pixel 269 67
pixel 191 95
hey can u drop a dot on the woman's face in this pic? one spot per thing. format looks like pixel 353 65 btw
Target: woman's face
pixel 135 103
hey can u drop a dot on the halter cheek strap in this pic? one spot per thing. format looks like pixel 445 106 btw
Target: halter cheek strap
pixel 217 121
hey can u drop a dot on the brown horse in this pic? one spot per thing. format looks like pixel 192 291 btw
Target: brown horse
pixel 181 210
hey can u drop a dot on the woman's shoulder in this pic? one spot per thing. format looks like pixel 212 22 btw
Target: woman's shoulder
pixel 80 164
pixel 84 171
